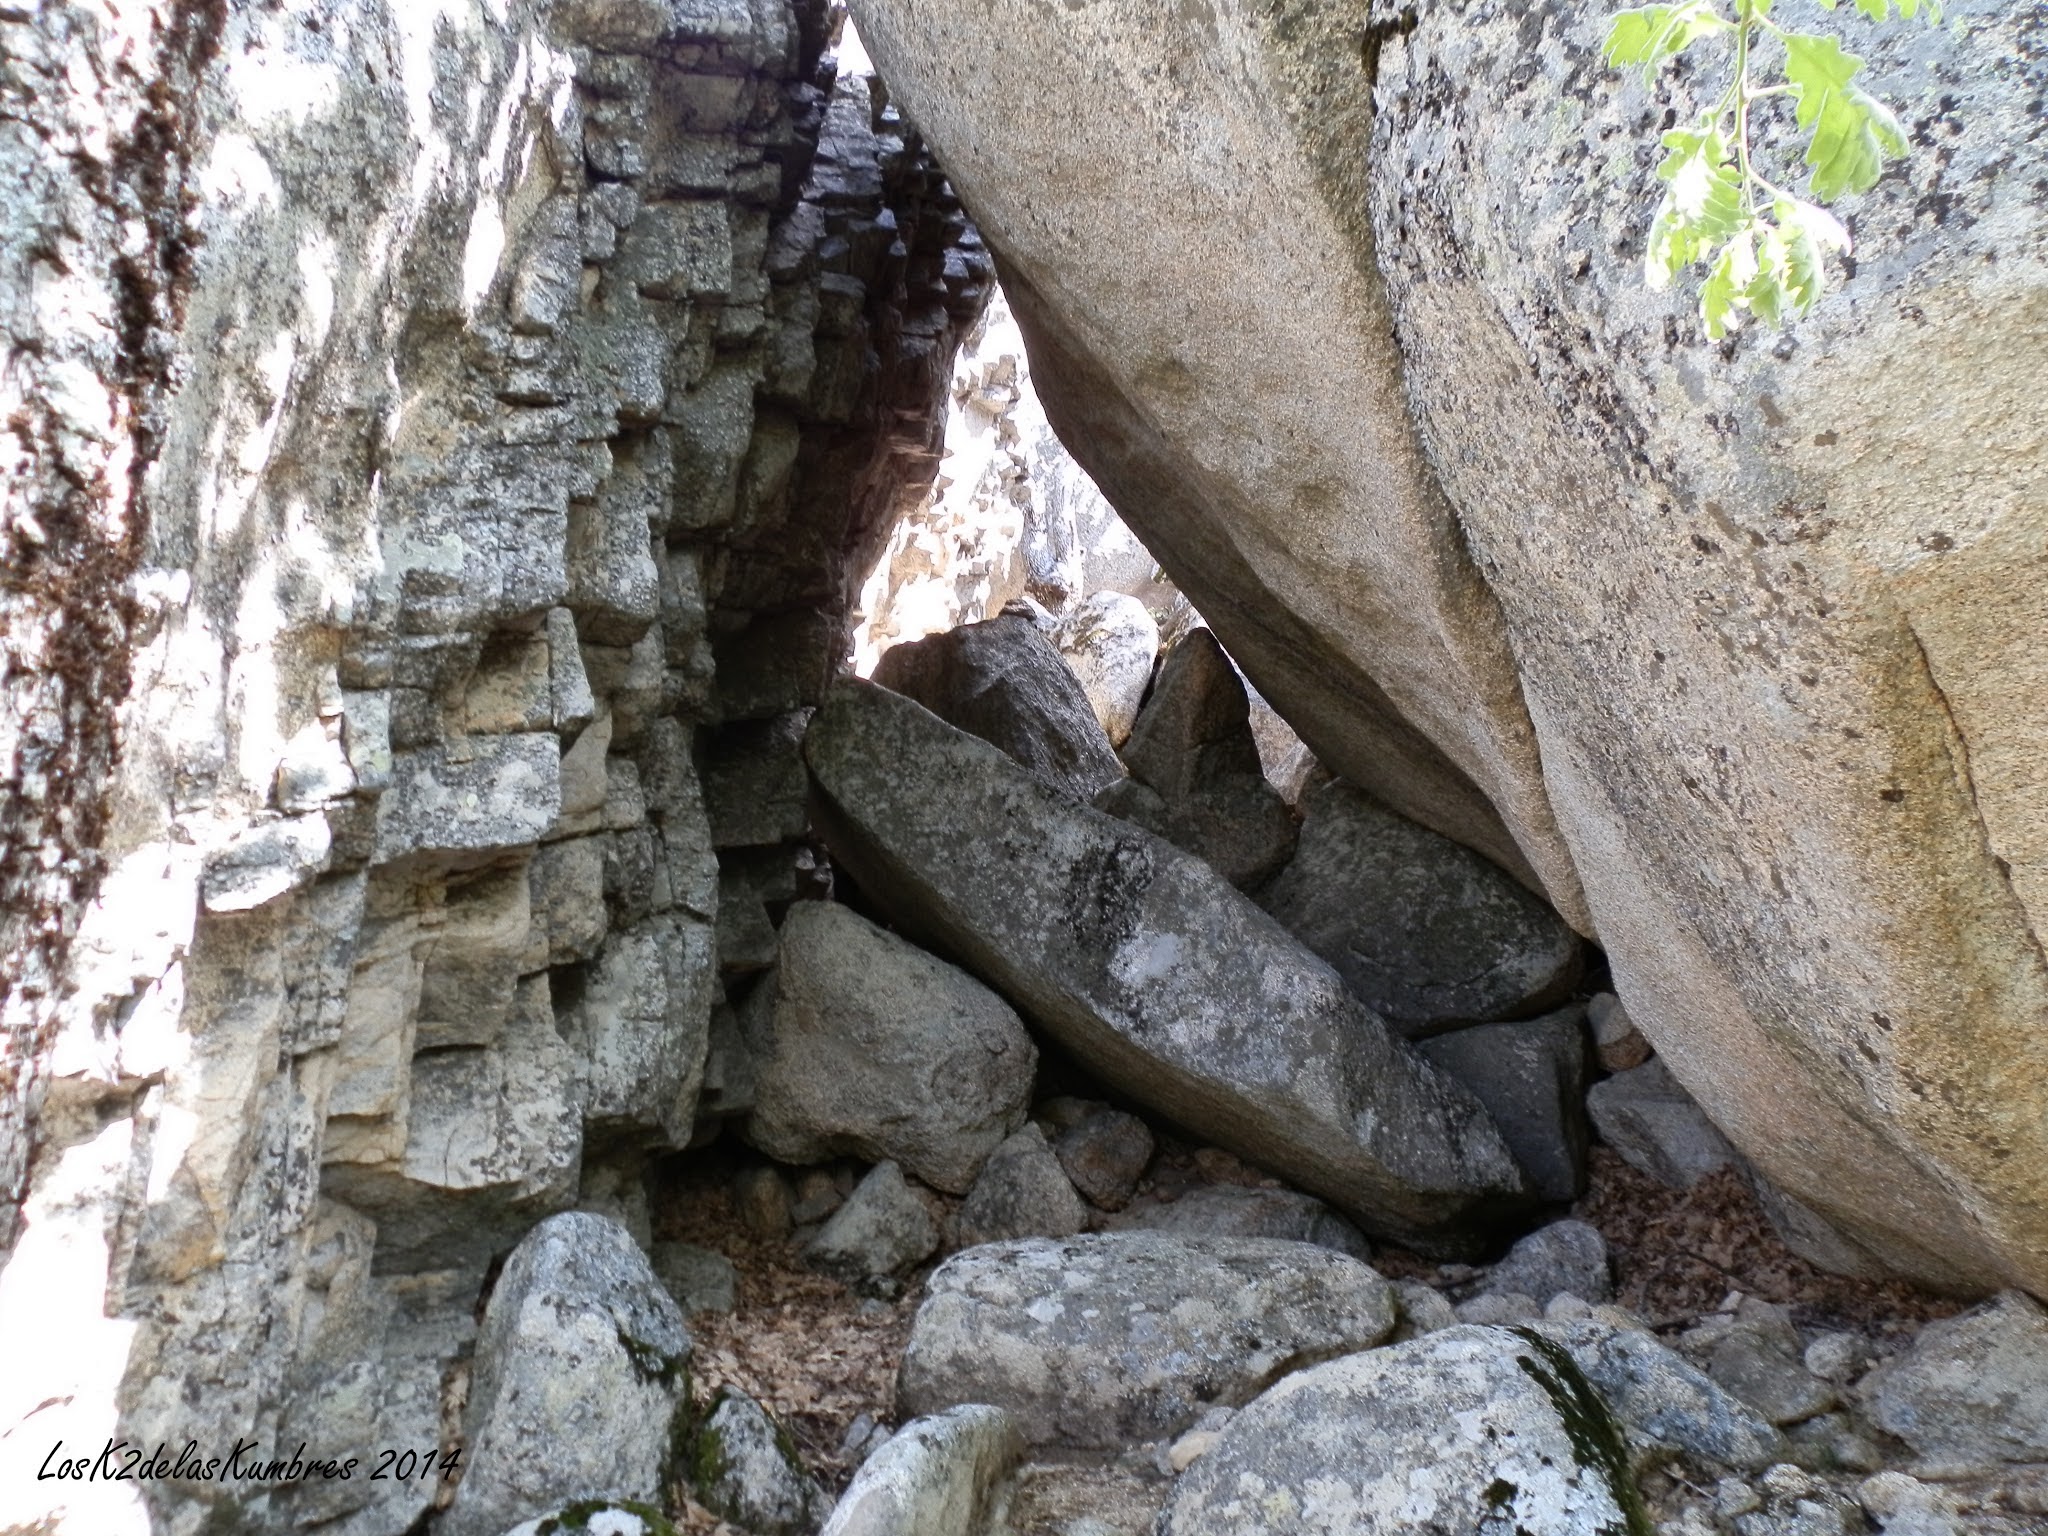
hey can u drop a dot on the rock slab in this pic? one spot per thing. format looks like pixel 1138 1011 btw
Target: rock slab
pixel 1100 1341
pixel 1146 965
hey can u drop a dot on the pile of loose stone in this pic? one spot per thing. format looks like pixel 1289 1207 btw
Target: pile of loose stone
pixel 1122 1338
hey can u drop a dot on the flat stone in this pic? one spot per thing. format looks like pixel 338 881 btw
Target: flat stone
pixel 1232 1210
pixel 1101 1341
pixel 1656 1127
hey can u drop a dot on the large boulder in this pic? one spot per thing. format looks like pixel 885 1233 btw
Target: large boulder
pixel 1002 680
pixel 1791 694
pixel 1427 932
pixel 863 1045
pixel 1707 623
pixel 1196 777
pixel 1096 1342
pixel 580 1371
pixel 1151 969
pixel 1468 1429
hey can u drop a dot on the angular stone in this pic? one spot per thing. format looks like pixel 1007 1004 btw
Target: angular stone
pixel 581 1352
pixel 1663 1398
pixel 1141 961
pixel 1760 1358
pixel 1467 1429
pixel 1195 751
pixel 1096 1342
pixel 865 1046
pixel 1022 1192
pixel 640 1023
pixel 1972 1390
pixel 566 886
pixel 1427 932
pixel 1567 1257
pixel 504 793
pixel 493 1139
pixel 472 959
pixel 700 1279
pixel 1002 680
pixel 936 1476
pixel 1657 1127
pixel 1531 1076
pixel 1105 1155
pixel 744 1466
pixel 881 1229
pixel 1616 1041
pixel 1110 641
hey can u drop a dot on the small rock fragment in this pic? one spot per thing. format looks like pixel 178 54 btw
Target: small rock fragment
pixel 1105 1155
pixel 1022 1192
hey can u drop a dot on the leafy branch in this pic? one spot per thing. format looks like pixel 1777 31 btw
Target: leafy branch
pixel 1765 247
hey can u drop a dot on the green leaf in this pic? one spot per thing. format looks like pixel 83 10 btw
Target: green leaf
pixel 1725 286
pixel 1702 203
pixel 1852 132
pixel 1769 291
pixel 1809 233
pixel 1647 35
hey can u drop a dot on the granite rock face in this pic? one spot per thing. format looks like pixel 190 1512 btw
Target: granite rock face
pixel 1100 1341
pixel 1466 1429
pixel 1691 638
pixel 452 434
pixel 1146 965
pixel 864 1046
pixel 1789 702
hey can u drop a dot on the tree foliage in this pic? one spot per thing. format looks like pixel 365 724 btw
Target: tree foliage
pixel 1764 246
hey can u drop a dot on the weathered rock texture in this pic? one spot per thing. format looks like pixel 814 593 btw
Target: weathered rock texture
pixel 439 432
pixel 1149 967
pixel 1755 691
pixel 1098 1342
